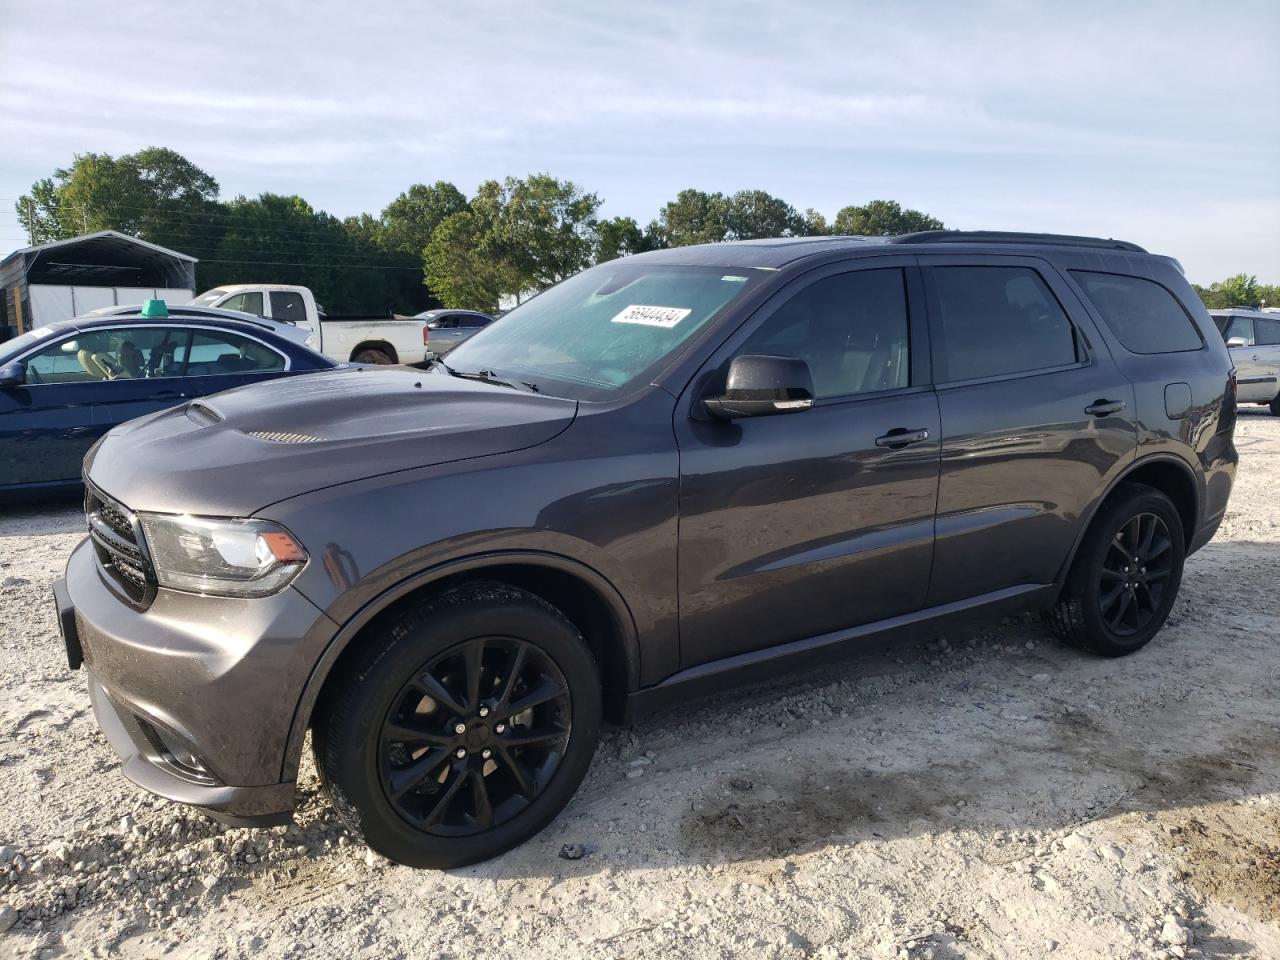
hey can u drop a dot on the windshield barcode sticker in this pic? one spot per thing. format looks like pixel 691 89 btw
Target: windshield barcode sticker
pixel 653 316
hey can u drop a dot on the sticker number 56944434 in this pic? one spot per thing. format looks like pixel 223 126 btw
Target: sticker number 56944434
pixel 652 316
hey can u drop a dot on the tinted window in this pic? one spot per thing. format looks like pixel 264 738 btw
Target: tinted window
pixel 127 353
pixel 1239 327
pixel 287 306
pixel 472 321
pixel 1268 331
pixel 850 328
pixel 1143 315
pixel 213 353
pixel 998 320
pixel 246 302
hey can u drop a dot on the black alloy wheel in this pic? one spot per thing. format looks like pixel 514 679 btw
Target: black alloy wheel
pixel 460 726
pixel 1125 575
pixel 475 736
pixel 1135 574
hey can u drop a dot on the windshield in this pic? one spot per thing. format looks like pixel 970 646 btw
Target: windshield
pixel 18 345
pixel 208 298
pixel 597 333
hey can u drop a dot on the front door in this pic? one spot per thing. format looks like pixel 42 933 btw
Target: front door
pixel 1253 381
pixel 1035 418
pixel 792 526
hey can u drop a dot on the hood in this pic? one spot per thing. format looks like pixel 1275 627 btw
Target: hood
pixel 233 453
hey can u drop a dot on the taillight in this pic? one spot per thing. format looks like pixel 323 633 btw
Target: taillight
pixel 1232 386
pixel 426 332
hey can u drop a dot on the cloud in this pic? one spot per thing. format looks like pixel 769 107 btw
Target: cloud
pixel 989 113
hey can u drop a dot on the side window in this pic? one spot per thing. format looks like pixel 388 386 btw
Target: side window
pixel 250 302
pixel 473 321
pixel 998 320
pixel 1144 316
pixel 287 306
pixel 446 323
pixel 212 353
pixel 1268 332
pixel 114 354
pixel 851 329
pixel 1239 327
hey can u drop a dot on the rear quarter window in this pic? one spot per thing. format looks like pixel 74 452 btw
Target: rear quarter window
pixel 1144 316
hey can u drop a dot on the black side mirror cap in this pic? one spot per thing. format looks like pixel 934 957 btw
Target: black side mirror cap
pixel 13 374
pixel 760 386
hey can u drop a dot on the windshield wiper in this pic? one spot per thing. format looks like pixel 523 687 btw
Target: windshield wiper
pixel 488 376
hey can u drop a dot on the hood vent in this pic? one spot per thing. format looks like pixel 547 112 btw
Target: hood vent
pixel 203 414
pixel 276 436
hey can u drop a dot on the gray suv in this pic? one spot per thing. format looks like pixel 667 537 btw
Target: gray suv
pixel 1253 339
pixel 671 473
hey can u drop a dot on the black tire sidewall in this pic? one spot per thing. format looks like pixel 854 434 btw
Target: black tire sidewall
pixel 350 749
pixel 375 357
pixel 1086 573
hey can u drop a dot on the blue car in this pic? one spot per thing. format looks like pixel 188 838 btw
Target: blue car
pixel 64 385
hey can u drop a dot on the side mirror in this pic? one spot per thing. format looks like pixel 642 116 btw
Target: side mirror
pixel 13 374
pixel 759 386
pixel 1237 342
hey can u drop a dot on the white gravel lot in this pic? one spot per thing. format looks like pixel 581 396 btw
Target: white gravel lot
pixel 993 795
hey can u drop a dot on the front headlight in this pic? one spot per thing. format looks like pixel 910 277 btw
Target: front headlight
pixel 231 558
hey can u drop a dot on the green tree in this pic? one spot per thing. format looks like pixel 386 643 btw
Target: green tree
pixel 755 214
pixel 461 266
pixel 546 229
pixel 694 217
pixel 882 218
pixel 409 220
pixel 813 224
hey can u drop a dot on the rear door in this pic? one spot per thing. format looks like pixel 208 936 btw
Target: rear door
pixel 798 525
pixel 1035 418
pixel 446 333
pixel 1267 349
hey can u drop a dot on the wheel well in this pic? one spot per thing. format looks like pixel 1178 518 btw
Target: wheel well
pixel 1176 484
pixel 382 345
pixel 573 596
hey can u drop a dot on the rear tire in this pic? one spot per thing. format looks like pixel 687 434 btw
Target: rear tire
pixel 485 670
pixel 372 357
pixel 1274 406
pixel 1126 575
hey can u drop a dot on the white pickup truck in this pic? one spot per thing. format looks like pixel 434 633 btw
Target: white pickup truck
pixel 360 339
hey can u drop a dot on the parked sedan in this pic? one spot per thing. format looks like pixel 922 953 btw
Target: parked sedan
pixel 448 328
pixel 64 385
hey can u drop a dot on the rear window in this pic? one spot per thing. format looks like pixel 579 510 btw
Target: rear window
pixel 996 321
pixel 1268 331
pixel 1144 316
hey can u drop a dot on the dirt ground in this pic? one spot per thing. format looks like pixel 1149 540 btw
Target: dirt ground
pixel 991 795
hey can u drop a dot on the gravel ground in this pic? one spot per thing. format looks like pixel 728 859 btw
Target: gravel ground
pixel 985 795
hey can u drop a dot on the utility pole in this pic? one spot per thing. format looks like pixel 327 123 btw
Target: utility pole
pixel 31 221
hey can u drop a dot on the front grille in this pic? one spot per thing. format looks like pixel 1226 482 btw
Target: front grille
pixel 117 540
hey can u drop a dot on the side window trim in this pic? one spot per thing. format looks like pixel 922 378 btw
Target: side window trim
pixel 920 380
pixel 288 362
pixel 1051 279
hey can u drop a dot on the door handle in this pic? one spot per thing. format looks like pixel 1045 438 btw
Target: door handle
pixel 901 437
pixel 1100 408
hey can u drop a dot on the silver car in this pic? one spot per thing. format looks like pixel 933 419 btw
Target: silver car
pixel 448 328
pixel 1253 339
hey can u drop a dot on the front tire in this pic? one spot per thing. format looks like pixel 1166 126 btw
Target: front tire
pixel 1125 576
pixel 463 729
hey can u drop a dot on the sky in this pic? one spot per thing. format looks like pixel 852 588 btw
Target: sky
pixel 1152 122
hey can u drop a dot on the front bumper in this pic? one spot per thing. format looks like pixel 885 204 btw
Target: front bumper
pixel 196 694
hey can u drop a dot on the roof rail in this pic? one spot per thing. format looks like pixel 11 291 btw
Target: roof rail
pixel 1002 236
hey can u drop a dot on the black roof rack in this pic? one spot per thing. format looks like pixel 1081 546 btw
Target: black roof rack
pixel 1002 236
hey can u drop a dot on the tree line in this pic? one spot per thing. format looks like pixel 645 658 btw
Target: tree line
pixel 432 245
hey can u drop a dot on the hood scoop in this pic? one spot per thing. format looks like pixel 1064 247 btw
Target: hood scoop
pixel 276 436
